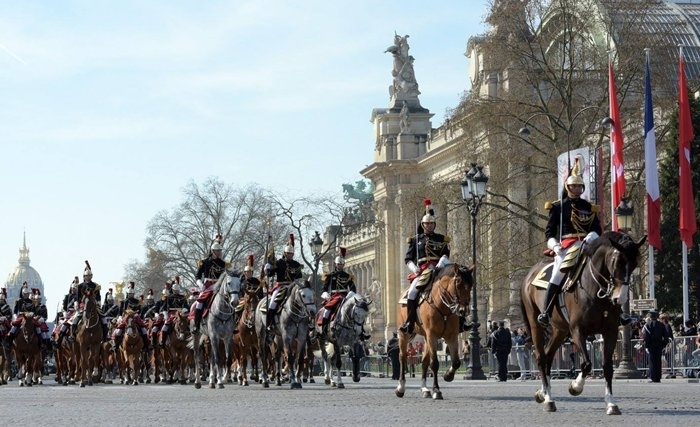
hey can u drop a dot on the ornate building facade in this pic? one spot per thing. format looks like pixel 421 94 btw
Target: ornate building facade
pixel 23 273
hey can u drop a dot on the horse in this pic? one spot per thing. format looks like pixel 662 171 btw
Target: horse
pixel 590 304
pixel 4 351
pixel 448 298
pixel 179 356
pixel 344 329
pixel 246 341
pixel 27 350
pixel 132 349
pixel 219 327
pixel 88 339
pixel 295 315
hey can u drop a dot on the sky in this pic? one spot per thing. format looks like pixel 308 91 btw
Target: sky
pixel 110 108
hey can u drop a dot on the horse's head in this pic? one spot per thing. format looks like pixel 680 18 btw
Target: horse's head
pixel 613 258
pixel 358 307
pixel 234 286
pixel 305 294
pixel 455 282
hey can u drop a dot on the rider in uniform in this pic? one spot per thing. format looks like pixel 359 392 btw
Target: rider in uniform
pixel 176 301
pixel 207 275
pixel 248 282
pixel 134 304
pixel 40 314
pixel 287 270
pixel 95 288
pixel 5 309
pixel 23 305
pixel 70 306
pixel 571 219
pixel 149 308
pixel 427 252
pixel 337 287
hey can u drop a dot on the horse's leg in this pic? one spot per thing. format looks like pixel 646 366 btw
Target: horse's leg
pixel 544 361
pixel 435 367
pixel 197 360
pixel 213 361
pixel 576 386
pixel 295 372
pixel 338 365
pixel 609 342
pixel 403 359
pixel 454 358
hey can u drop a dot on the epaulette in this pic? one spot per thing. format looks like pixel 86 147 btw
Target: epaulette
pixel 228 265
pixel 409 240
pixel 97 287
pixel 549 205
pixel 448 239
pixel 200 262
pixel 595 208
pixel 324 276
pixel 352 276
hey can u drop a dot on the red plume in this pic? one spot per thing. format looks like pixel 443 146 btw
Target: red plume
pixel 427 202
pixel 109 291
pixel 251 260
pixel 218 237
pixel 291 239
pixel 4 292
pixel 150 291
pixel 342 251
pixel 132 285
pixel 87 264
pixel 177 279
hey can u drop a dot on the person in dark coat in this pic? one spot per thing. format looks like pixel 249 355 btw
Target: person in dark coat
pixel 655 338
pixel 392 351
pixel 501 343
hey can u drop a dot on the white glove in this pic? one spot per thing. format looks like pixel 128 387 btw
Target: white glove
pixel 200 285
pixel 443 261
pixel 554 245
pixel 325 296
pixel 412 266
pixel 590 237
pixel 349 295
pixel 268 267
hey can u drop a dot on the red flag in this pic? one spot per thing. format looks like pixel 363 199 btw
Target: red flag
pixel 688 225
pixel 652 175
pixel 618 166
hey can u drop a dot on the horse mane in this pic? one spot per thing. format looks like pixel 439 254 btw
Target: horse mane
pixel 622 240
pixel 455 269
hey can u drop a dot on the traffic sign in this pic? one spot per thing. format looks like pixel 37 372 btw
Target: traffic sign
pixel 643 304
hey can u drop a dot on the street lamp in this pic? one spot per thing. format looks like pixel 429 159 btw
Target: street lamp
pixel 627 368
pixel 316 245
pixel 473 192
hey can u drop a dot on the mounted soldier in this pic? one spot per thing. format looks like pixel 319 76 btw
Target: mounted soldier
pixel 207 275
pixel 109 308
pixel 5 309
pixel 149 309
pixel 338 286
pixel 40 314
pixel 88 284
pixel 23 305
pixel 134 304
pixel 70 306
pixel 427 251
pixel 287 270
pixel 176 302
pixel 248 282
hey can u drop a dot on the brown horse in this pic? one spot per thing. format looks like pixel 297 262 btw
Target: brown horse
pixel 179 357
pixel 88 339
pixel 27 351
pixel 132 349
pixel 438 317
pixel 4 351
pixel 246 346
pixel 590 305
pixel 66 357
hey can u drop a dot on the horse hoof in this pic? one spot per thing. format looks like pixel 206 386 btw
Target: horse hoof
pixel 82 385
pixel 197 386
pixel 295 386
pixel 550 407
pixel 212 386
pixel 220 386
pixel 356 379
pixel 613 410
pixel 311 381
pixel 109 382
pixel 539 398
pixel 437 395
pixel 327 381
pixel 399 393
pixel 334 385
pixel 266 385
pixel 573 391
pixel 304 380
pixel 449 376
pixel 426 394
pixel 341 385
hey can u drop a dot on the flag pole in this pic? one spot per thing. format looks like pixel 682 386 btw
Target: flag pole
pixel 652 180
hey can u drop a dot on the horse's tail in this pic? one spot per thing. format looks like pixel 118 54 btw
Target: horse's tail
pixel 523 310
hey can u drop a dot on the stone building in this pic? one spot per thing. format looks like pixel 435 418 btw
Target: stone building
pixel 413 160
pixel 23 273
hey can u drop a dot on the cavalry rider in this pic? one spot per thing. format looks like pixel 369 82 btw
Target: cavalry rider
pixel 337 287
pixel 88 284
pixel 150 308
pixel 110 309
pixel 248 282
pixel 70 307
pixel 176 301
pixel 427 251
pixel 5 309
pixel 571 219
pixel 287 270
pixel 41 313
pixel 23 305
pixel 207 275
pixel 134 304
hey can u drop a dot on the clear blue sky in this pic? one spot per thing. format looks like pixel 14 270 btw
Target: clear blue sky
pixel 109 108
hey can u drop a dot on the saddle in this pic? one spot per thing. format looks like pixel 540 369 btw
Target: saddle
pixel 280 299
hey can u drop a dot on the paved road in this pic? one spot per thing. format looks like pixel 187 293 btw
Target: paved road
pixel 371 402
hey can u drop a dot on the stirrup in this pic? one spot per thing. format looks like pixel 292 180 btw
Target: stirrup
pixel 543 319
pixel 407 328
pixel 625 319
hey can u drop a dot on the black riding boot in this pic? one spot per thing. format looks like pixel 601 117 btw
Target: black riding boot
pixel 105 334
pixel 324 326
pixel 543 318
pixel 117 342
pixel 411 316
pixel 197 319
pixel 61 335
pixel 270 318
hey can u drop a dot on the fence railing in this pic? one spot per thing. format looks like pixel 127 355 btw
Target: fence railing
pixel 681 358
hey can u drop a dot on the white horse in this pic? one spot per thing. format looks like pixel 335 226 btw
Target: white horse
pixel 219 327
pixel 343 330
pixel 294 318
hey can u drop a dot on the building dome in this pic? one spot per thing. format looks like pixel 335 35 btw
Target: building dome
pixel 23 273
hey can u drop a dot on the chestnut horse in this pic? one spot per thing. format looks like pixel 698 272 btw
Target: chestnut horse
pixel 246 346
pixel 88 339
pixel 27 351
pixel 132 349
pixel 438 317
pixel 179 357
pixel 591 304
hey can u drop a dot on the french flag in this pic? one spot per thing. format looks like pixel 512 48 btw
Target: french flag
pixel 652 174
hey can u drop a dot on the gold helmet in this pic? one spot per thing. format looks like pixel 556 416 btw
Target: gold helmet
pixel 340 259
pixel 429 212
pixel 88 269
pixel 289 249
pixel 216 244
pixel 575 177
pixel 250 263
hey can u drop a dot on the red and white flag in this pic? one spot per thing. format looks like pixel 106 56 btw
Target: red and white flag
pixel 688 224
pixel 617 164
pixel 651 170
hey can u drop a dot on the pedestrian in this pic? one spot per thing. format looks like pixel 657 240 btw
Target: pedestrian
pixel 501 343
pixel 411 352
pixel 655 339
pixel 392 350
pixel 670 350
pixel 519 337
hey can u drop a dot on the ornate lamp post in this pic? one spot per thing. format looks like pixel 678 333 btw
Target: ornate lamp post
pixel 316 245
pixel 627 368
pixel 473 192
